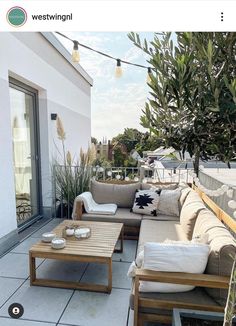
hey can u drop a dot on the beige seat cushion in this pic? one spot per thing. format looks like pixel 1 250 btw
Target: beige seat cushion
pixel 159 231
pixel 123 215
pixel 189 212
pixel 147 186
pixel 161 217
pixel 222 245
pixel 120 194
pixel 198 295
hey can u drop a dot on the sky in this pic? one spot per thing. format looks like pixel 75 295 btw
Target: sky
pixel 116 102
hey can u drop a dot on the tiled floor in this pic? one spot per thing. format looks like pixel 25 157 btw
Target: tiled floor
pixel 44 306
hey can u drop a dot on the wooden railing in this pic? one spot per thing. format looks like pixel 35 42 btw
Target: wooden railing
pixel 222 215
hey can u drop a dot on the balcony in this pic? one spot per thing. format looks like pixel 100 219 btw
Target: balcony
pixel 52 306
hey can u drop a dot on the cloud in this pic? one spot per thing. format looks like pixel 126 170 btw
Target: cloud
pixel 135 55
pixel 116 109
pixel 116 103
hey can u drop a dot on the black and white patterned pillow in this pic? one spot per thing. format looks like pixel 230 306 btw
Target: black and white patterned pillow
pixel 146 202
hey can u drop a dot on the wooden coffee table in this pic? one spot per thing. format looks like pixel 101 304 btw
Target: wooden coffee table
pixel 99 248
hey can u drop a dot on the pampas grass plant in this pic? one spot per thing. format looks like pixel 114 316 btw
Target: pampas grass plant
pixel 72 177
pixel 230 309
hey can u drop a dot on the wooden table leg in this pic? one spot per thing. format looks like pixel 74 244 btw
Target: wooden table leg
pixel 32 269
pixel 109 288
pixel 121 238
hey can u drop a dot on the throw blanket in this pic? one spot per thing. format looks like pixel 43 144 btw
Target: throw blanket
pixel 93 208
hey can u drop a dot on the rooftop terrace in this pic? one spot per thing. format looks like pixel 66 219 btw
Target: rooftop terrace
pixel 52 306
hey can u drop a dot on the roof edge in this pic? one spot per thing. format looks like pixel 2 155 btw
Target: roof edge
pixel 53 40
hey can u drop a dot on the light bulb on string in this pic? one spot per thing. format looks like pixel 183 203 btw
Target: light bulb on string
pixel 118 71
pixel 232 204
pixel 225 188
pixel 75 52
pixel 149 75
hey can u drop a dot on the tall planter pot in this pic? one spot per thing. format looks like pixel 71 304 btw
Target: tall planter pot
pixel 184 317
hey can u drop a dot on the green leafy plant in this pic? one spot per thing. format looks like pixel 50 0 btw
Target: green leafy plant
pixel 71 177
pixel 192 103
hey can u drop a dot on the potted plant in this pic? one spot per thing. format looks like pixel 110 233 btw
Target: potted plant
pixel 71 176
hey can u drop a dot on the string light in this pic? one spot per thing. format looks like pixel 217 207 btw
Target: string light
pixel 75 52
pixel 232 204
pixel 149 75
pixel 224 189
pixel 118 71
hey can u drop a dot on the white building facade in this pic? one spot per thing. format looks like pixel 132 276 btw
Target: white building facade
pixel 38 82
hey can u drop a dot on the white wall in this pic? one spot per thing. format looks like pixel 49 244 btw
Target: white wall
pixel 62 89
pixel 7 192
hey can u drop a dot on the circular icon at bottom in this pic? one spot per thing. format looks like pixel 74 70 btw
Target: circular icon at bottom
pixel 15 310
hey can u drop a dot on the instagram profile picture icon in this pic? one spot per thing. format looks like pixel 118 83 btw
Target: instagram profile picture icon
pixel 16 16
pixel 15 310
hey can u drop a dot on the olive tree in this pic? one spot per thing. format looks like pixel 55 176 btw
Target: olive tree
pixel 192 103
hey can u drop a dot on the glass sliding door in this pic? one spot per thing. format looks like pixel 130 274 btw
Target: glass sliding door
pixel 25 151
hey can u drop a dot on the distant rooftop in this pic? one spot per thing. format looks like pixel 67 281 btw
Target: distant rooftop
pixel 226 176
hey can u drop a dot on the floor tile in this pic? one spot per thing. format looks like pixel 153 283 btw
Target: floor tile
pixel 34 227
pixel 98 273
pixel 40 303
pixel 42 221
pixel 25 245
pixel 27 232
pixel 16 265
pixel 93 309
pixel 68 325
pixel 22 322
pixel 61 270
pixel 129 252
pixel 8 286
pixel 47 228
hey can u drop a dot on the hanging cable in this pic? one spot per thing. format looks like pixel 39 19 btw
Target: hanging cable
pixel 118 61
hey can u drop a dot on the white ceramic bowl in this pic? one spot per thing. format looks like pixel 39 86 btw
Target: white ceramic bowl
pixel 82 232
pixel 48 236
pixel 70 232
pixel 58 243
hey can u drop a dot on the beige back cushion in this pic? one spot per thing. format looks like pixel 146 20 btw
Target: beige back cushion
pixel 189 212
pixel 121 195
pixel 147 186
pixel 169 202
pixel 222 246
pixel 183 195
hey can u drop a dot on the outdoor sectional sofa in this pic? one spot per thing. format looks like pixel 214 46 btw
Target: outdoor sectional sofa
pixel 195 219
pixel 121 194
